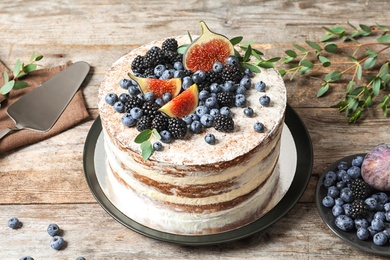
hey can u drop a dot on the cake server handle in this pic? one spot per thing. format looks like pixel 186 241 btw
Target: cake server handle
pixel 7 130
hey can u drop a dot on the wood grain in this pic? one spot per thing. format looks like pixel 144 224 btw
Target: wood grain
pixel 44 183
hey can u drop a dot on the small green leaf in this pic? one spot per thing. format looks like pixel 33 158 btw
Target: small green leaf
pixel 6 77
pixel 351 85
pixel 370 62
pixel 182 49
pixel 304 70
pixel 355 92
pixel 384 38
pixel 287 59
pixel 326 37
pixel 275 59
pixel 307 63
pixel 376 85
pixel 291 53
pixel 156 134
pixel 20 85
pixel 324 88
pixel 299 47
pixel 266 64
pixel 248 53
pixel 365 28
pixel 252 67
pixel 383 70
pixel 32 58
pixel 282 72
pixel 29 68
pixel 17 68
pixel 143 136
pixel 5 89
pixel 331 47
pixel 338 30
pixel 40 57
pixel 325 61
pixel 314 45
pixel 371 53
pixel 333 76
pixel 236 40
pixel 147 149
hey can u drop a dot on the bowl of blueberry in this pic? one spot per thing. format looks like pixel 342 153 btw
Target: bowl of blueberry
pixel 355 203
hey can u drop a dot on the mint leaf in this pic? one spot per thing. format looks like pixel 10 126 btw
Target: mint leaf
pixel 143 136
pixel 147 149
pixel 7 87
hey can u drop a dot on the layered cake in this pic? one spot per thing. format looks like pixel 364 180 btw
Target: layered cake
pixel 215 175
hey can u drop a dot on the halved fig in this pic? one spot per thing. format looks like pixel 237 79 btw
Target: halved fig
pixel 375 168
pixel 158 86
pixel 182 105
pixel 207 49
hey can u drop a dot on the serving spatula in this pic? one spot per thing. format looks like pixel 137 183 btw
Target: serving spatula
pixel 40 108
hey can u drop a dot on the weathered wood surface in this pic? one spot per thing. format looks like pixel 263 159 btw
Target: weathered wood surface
pixel 44 183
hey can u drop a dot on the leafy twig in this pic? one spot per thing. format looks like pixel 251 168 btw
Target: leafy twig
pixel 143 139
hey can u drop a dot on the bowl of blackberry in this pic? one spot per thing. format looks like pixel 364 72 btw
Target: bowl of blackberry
pixel 354 210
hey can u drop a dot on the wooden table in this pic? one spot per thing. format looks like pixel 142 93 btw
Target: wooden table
pixel 44 183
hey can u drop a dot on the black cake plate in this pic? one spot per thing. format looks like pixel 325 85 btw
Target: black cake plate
pixel 301 176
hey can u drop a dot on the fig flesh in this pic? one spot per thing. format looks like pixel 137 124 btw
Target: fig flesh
pixel 375 168
pixel 209 48
pixel 158 86
pixel 183 104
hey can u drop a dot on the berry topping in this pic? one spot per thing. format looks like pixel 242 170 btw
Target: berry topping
pixel 14 223
pixel 157 146
pixel 177 127
pixel 265 101
pixel 57 242
pixel 223 123
pixel 209 138
pixel 53 230
pixel 258 127
pixel 145 122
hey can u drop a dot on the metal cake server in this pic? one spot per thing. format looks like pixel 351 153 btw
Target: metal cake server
pixel 40 108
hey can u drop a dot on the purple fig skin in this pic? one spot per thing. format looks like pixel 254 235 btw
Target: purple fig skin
pixel 375 169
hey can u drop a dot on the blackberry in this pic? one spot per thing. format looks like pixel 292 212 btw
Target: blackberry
pixel 152 58
pixel 160 122
pixel 170 57
pixel 225 99
pixel 223 123
pixel 177 127
pixel 133 102
pixel 360 189
pixel 150 109
pixel 144 123
pixel 149 73
pixel 169 45
pixel 358 209
pixel 231 73
pixel 137 65
pixel 211 77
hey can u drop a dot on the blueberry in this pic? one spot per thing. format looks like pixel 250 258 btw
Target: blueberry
pixel 194 117
pixel 346 178
pixel 26 258
pixel 357 161
pixel 187 119
pixel 214 112
pixel 361 223
pixel 339 201
pixel 328 201
pixel 166 136
pixel 371 202
pixel 136 113
pixel 201 110
pixel 166 97
pixel 157 146
pixel 211 102
pixel 331 175
pixel 354 172
pixel 53 230
pixel 134 91
pixel 380 239
pixel 199 76
pixel 248 112
pixel 204 94
pixel 178 65
pixel 265 101
pixel 386 206
pixel 240 100
pixel 232 60
pixel 187 82
pixel 207 120
pixel 217 66
pixel 158 70
pixel 215 88
pixel 343 165
pixel 337 210
pixel 380 215
pixel 245 82
pixel 119 107
pixel 14 223
pixel 111 98
pixel 228 86
pixel 196 127
pixel 346 194
pixel 179 74
pixel 377 224
pixel 167 74
pixel 340 174
pixel 372 231
pixel 340 185
pixel 347 209
pixel 57 242
pixel 124 97
pixel 80 258
pixel 241 90
pixel 149 97
pixel 125 83
pixel 248 72
pixel 387 216
pixel 209 138
pixel 260 86
pixel 258 127
pixel 382 197
pixel 333 192
pixel 362 233
pixel 328 183
pixel 159 102
pixel 225 111
pixel 128 120
pixel 344 222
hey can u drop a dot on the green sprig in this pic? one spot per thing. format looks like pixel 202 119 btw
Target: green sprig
pixel 20 70
pixel 144 139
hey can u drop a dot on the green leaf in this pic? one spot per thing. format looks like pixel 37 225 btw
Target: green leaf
pixel 6 88
pixel 331 47
pixel 6 77
pixel 376 85
pixel 147 149
pixel 333 76
pixel 32 58
pixel 304 70
pixel 365 28
pixel 257 54
pixel 299 47
pixel 324 88
pixel 291 53
pixel 371 53
pixel 236 40
pixel 326 37
pixel 143 136
pixel 351 85
pixel 40 57
pixel 20 85
pixel 29 68
pixel 359 72
pixel 384 38
pixel 181 49
pixel 287 59
pixel 307 63
pixel 325 61
pixel 338 30
pixel 17 68
pixel 156 134
pixel 248 53
pixel 266 64
pixel 282 72
pixel 314 45
pixel 383 70
pixel 355 92
pixel 370 62
pixel 252 67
